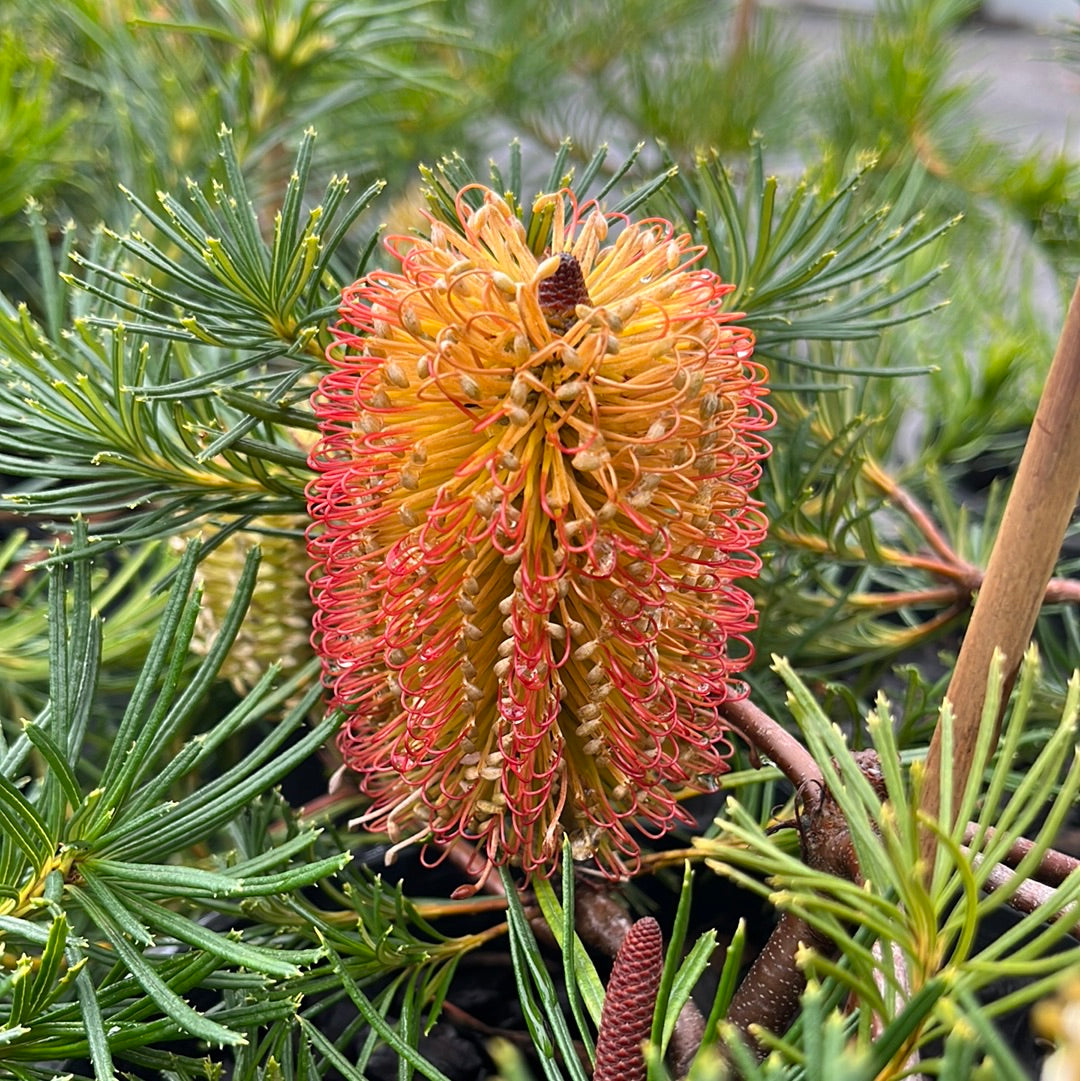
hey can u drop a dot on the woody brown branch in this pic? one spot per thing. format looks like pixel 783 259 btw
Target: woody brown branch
pixel 967 576
pixel 769 737
pixel 963 579
pixel 768 996
pixel 769 993
pixel 1053 868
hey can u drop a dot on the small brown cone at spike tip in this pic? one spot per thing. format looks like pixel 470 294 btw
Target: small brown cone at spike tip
pixel 560 294
pixel 626 1020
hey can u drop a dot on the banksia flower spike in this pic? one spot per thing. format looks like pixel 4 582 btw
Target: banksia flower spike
pixel 629 1003
pixel 532 500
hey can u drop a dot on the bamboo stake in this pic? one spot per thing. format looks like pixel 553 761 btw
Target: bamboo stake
pixel 1036 516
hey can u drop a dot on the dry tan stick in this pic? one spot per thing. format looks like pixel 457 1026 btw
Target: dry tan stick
pixel 1036 516
pixel 745 11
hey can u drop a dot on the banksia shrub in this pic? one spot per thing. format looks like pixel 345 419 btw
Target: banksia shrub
pixel 532 504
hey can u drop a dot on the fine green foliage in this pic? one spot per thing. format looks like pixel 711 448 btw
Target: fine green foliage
pixel 124 889
pixel 806 265
pixel 171 399
pixel 85 858
pixel 610 66
pixel 266 70
pixel 127 592
pixel 35 151
pixel 909 954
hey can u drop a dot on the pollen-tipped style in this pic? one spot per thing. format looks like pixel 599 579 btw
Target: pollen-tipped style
pixel 533 497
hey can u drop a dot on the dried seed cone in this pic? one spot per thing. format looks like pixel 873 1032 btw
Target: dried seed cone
pixel 531 504
pixel 626 1019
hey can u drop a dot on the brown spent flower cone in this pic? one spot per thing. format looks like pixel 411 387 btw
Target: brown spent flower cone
pixel 626 1020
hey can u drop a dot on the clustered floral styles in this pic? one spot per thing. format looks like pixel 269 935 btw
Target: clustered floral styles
pixel 533 496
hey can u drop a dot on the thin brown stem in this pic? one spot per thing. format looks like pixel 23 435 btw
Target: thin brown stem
pixel 1054 867
pixel 1063 591
pixel 772 739
pixel 902 498
pixel 652 862
pixel 474 906
pixel 967 578
pixel 911 598
pixel 1025 896
pixel 466 1020
pixel 952 569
